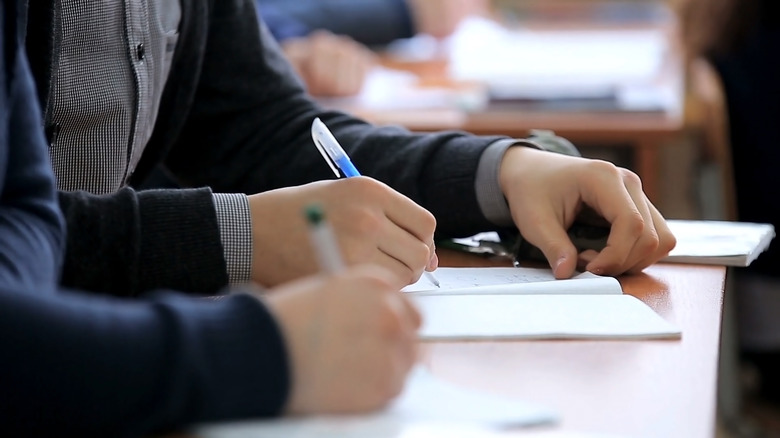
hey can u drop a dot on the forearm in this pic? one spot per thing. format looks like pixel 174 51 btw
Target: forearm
pixel 131 242
pixel 76 365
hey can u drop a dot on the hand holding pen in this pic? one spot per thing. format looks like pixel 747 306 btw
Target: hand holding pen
pixel 374 224
pixel 337 159
pixel 350 337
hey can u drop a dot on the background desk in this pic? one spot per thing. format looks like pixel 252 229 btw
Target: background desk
pixel 627 388
pixel 641 133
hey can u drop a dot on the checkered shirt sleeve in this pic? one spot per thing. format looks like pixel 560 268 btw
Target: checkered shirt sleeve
pixel 235 230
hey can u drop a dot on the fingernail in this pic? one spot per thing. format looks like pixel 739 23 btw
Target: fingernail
pixel 433 263
pixel 558 263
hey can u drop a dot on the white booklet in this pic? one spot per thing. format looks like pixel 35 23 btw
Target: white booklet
pixel 428 406
pixel 719 242
pixel 526 303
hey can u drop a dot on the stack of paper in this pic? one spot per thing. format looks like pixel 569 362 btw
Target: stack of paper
pixel 621 66
pixel 524 303
pixel 719 242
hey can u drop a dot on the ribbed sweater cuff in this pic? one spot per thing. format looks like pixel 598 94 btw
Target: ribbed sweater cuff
pixel 180 242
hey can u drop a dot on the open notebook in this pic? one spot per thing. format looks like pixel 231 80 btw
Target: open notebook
pixel 525 303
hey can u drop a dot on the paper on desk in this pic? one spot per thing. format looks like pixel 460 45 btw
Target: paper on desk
pixel 427 405
pixel 719 242
pixel 526 303
pixel 388 89
pixel 473 317
pixel 471 281
pixel 561 64
pixel 482 48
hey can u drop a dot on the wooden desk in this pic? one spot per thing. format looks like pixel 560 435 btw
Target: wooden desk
pixel 636 389
pixel 627 388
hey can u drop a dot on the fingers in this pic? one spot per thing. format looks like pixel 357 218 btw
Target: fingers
pixel 606 192
pixel 409 216
pixel 413 316
pixel 413 253
pixel 410 238
pixel 565 187
pixel 666 242
pixel 401 329
pixel 406 341
pixel 351 339
pixel 398 322
pixel 646 242
pixel 402 274
pixel 544 229
pixel 375 224
pixel 634 242
pixel 433 263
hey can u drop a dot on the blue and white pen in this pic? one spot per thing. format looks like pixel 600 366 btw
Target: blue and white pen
pixel 331 150
pixel 337 159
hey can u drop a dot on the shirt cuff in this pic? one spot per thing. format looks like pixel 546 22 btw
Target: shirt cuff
pixel 235 231
pixel 489 195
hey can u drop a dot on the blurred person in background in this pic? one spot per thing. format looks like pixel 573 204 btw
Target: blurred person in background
pixel 328 41
pixel 741 39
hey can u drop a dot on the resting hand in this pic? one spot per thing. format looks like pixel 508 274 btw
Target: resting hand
pixel 372 222
pixel 330 65
pixel 440 18
pixel 351 339
pixel 546 192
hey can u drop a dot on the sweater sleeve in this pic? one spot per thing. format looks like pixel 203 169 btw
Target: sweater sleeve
pixel 130 242
pixel 371 22
pixel 78 365
pixel 31 227
pixel 248 130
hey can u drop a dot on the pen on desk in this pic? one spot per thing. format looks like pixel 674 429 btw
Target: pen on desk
pixel 324 242
pixel 337 159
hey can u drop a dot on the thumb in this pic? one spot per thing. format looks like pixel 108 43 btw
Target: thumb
pixel 548 234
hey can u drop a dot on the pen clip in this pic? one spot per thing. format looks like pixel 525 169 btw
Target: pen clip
pixel 321 148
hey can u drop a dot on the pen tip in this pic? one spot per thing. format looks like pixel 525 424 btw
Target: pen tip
pixel 432 278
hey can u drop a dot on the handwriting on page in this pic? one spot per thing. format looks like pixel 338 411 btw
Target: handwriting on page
pixel 459 278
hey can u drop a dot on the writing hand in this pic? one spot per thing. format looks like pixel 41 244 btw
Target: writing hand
pixel 351 340
pixel 546 192
pixel 372 223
